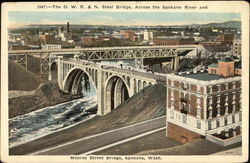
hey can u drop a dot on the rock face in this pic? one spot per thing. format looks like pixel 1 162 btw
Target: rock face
pixel 20 79
pixel 46 94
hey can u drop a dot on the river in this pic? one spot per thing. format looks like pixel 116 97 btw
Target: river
pixel 39 123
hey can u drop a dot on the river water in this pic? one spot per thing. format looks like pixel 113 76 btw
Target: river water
pixel 36 124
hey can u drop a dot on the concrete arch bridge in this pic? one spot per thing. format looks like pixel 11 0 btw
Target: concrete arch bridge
pixel 113 85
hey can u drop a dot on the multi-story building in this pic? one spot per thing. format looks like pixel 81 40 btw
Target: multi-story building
pixel 128 35
pixel 147 35
pixel 237 47
pixel 51 46
pixel 226 38
pixel 205 105
pixel 46 38
pixel 174 41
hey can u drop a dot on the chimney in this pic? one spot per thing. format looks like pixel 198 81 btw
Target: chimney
pixel 67 27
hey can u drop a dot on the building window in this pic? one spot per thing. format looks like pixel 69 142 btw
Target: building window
pixel 234 85
pixel 226 110
pixel 210 113
pixel 233 108
pixel 198 123
pixel 218 98
pixel 218 88
pixel 226 97
pixel 210 100
pixel 172 93
pixel 184 118
pixel 240 117
pixel 172 83
pixel 198 113
pixel 218 123
pixel 233 96
pixel 233 118
pixel 209 125
pixel 171 115
pixel 185 86
pixel 172 104
pixel 210 89
pixel 225 121
pixel 226 86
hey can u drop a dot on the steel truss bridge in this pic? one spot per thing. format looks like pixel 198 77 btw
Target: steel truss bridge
pixel 47 56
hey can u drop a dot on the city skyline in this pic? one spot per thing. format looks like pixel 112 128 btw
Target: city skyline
pixel 17 19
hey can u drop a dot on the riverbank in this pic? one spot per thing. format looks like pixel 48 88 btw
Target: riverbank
pixel 47 94
pixel 29 92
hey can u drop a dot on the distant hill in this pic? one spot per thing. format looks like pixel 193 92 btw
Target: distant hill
pixel 228 24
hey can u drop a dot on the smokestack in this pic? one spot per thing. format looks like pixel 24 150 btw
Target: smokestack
pixel 67 27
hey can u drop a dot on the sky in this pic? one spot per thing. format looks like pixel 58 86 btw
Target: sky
pixel 119 18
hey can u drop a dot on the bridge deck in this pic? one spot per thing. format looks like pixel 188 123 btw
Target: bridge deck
pixel 142 73
pixel 39 51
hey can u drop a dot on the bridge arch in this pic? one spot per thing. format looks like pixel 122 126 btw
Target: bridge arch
pixel 54 71
pixel 72 82
pixel 116 92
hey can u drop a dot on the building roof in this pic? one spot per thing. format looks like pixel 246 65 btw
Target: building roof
pixel 214 65
pixel 226 60
pixel 203 76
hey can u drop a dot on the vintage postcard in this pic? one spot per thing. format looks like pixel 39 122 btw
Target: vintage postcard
pixel 125 81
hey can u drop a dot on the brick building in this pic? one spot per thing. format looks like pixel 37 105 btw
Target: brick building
pixel 204 105
pixel 46 38
pixel 226 38
pixel 174 41
pixel 225 68
pixel 128 35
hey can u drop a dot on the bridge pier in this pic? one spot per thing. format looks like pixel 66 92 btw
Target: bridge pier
pixel 60 72
pixel 100 92
pixel 175 63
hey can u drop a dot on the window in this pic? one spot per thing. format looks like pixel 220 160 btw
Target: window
pixel 210 113
pixel 218 110
pixel 172 93
pixel 226 86
pixel 234 85
pixel 209 125
pixel 185 86
pixel 218 88
pixel 217 123
pixel 198 112
pixel 198 88
pixel 198 123
pixel 226 97
pixel 218 98
pixel 225 121
pixel 233 108
pixel 233 96
pixel 233 118
pixel 210 101
pixel 226 110
pixel 171 115
pixel 172 104
pixel 184 118
pixel 210 89
pixel 172 83
pixel 239 117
